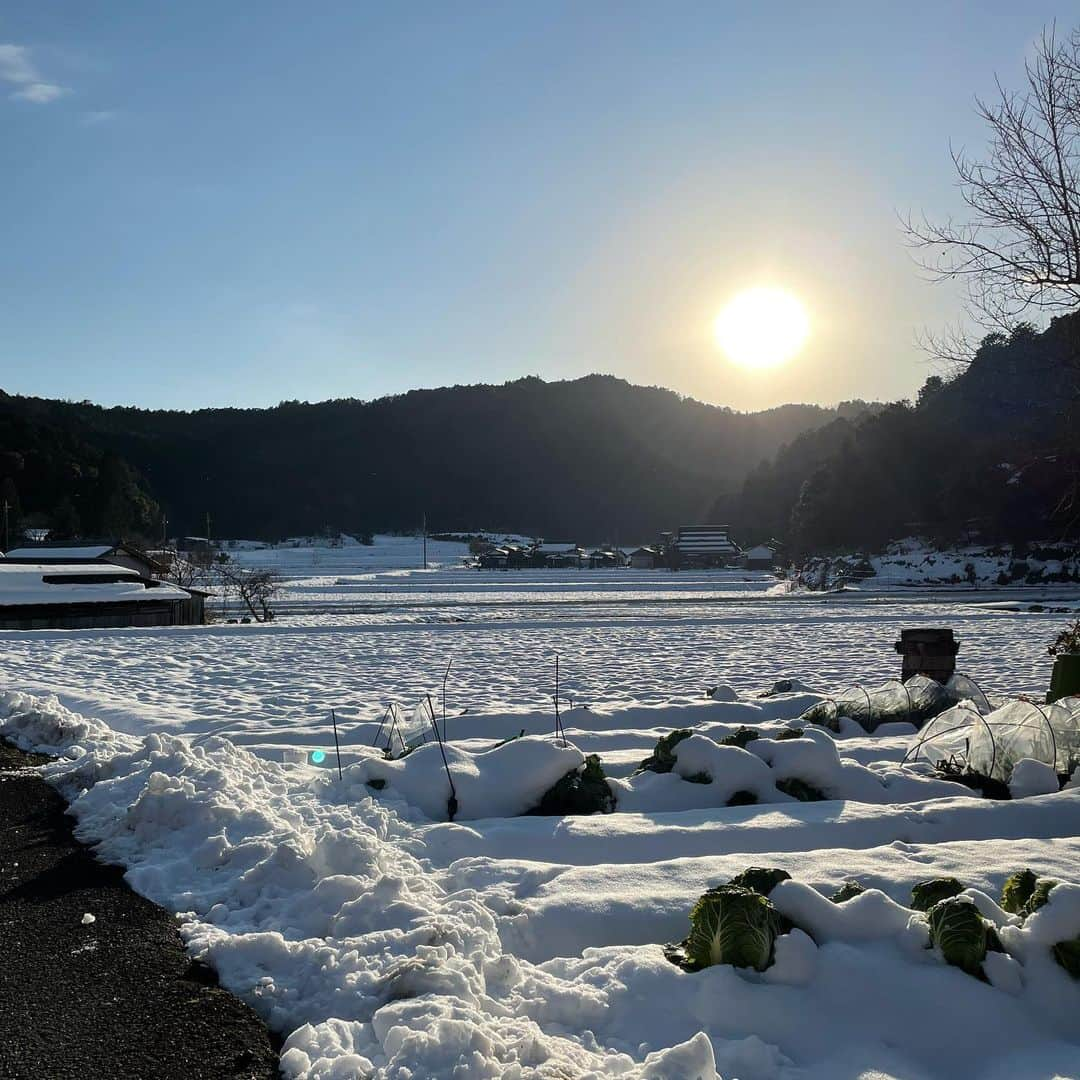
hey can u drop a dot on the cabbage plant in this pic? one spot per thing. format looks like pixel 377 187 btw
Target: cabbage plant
pixel 662 759
pixel 926 894
pixel 732 925
pixel 1016 891
pixel 1039 895
pixel 960 932
pixel 848 891
pixel 1067 954
pixel 760 879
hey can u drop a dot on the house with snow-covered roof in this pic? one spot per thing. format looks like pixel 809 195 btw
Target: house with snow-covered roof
pixel 59 596
pixel 72 553
pixel 759 557
pixel 705 546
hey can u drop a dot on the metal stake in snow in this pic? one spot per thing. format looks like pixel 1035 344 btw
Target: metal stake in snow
pixel 337 745
pixel 451 803
pixel 559 733
pixel 446 674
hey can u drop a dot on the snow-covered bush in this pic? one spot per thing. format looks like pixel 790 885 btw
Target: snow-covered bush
pixel 505 780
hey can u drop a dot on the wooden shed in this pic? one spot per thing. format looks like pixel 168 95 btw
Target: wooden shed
pixel 57 596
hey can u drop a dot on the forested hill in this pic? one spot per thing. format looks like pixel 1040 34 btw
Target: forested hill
pixel 992 452
pixel 586 459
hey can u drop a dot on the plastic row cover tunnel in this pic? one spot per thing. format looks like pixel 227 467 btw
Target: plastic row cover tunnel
pixel 992 744
pixel 893 701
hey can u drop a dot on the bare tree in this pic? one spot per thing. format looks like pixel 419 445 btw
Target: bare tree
pixel 1019 250
pixel 188 568
pixel 254 588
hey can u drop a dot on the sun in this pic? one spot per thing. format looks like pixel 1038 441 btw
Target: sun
pixel 762 328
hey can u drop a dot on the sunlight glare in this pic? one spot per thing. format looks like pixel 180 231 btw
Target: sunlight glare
pixel 762 328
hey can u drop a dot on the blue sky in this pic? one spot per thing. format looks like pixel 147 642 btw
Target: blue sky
pixel 236 204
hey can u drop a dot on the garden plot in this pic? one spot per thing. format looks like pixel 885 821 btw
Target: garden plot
pixel 381 939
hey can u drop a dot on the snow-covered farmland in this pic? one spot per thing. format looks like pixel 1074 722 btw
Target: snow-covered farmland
pixel 382 939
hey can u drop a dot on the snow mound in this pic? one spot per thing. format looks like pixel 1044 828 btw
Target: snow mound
pixel 504 781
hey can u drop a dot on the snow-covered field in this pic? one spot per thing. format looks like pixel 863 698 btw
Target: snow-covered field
pixel 384 940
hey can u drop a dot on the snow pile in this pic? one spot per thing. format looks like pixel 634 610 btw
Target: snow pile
pixel 44 726
pixel 504 781
pixel 312 911
pixel 329 913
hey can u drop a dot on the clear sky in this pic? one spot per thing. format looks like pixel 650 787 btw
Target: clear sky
pixel 240 203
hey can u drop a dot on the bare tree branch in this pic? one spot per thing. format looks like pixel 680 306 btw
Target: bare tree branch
pixel 1019 252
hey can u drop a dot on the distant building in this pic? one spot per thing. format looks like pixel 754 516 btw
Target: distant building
pixel 200 544
pixel 705 546
pixel 556 555
pixel 644 558
pixel 607 557
pixel 760 557
pixel 59 596
pixel 74 553
pixel 495 558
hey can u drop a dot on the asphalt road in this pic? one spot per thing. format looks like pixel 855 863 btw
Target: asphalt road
pixel 113 999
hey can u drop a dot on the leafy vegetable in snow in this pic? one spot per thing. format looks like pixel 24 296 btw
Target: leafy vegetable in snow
pixel 928 893
pixel 960 933
pixel 847 891
pixel 1067 954
pixel 583 790
pixel 662 760
pixel 1039 895
pixel 1017 890
pixel 801 790
pixel 729 925
pixel 740 737
pixel 760 879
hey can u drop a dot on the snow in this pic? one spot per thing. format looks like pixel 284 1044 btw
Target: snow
pixel 1030 777
pixel 380 939
pixel 504 781
pixel 89 551
pixel 23 583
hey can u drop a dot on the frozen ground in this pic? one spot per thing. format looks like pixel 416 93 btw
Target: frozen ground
pixel 384 940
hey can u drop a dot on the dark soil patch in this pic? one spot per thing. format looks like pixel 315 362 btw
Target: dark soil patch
pixel 117 998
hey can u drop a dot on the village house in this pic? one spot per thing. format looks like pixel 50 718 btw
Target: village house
pixel 559 555
pixel 77 553
pixel 760 557
pixel 609 558
pixel 644 558
pixel 705 546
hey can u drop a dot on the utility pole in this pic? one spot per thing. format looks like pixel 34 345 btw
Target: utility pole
pixel 7 544
pixel 207 528
pixel 425 539
pixel 164 531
